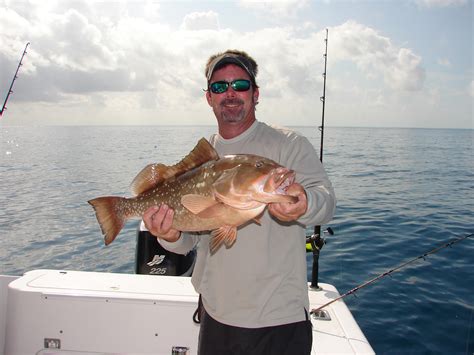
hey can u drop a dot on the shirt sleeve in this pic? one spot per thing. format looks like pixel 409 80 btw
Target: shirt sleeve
pixel 183 245
pixel 300 155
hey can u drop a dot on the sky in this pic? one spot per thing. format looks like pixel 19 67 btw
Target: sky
pixel 390 63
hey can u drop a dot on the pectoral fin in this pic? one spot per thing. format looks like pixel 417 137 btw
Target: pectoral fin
pixel 213 211
pixel 224 235
pixel 202 206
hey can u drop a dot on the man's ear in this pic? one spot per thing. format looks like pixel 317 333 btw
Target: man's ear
pixel 256 94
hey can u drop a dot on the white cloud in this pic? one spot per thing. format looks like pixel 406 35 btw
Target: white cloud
pixel 79 55
pixel 97 64
pixel 375 55
pixel 471 89
pixel 277 8
pixel 201 21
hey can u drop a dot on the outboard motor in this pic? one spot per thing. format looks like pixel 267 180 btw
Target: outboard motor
pixel 152 259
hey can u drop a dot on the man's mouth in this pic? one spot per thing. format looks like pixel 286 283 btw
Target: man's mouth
pixel 232 103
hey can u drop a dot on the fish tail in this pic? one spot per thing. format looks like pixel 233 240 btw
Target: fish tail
pixel 110 215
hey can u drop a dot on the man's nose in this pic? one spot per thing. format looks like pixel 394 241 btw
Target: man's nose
pixel 230 92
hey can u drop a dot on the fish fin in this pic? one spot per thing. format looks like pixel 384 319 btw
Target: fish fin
pixel 202 153
pixel 223 235
pixel 111 220
pixel 258 219
pixel 213 211
pixel 198 203
pixel 150 176
pixel 154 174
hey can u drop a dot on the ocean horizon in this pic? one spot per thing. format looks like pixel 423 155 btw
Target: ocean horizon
pixel 315 126
pixel 401 193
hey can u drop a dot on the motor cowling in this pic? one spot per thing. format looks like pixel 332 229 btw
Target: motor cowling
pixel 152 259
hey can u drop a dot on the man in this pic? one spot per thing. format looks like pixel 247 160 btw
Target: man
pixel 255 293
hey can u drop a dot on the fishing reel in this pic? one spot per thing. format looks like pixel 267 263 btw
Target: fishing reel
pixel 316 241
pixel 314 244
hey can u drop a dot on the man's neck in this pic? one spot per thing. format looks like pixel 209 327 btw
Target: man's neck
pixel 232 130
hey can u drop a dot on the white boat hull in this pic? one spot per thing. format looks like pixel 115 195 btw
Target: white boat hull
pixel 76 312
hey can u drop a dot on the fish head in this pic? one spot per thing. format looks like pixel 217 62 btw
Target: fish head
pixel 250 181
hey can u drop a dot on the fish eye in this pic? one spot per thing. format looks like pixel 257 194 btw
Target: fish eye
pixel 259 164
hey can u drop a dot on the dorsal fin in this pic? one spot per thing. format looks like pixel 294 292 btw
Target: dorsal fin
pixel 154 174
pixel 149 177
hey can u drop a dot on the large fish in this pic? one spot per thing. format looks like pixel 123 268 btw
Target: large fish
pixel 207 193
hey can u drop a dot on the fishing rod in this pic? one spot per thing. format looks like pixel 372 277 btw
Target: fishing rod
pixel 4 107
pixel 323 98
pixel 316 240
pixel 382 275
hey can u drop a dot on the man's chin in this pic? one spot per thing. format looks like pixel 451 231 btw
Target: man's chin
pixel 232 118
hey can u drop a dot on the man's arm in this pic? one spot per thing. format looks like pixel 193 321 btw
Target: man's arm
pixel 159 220
pixel 317 201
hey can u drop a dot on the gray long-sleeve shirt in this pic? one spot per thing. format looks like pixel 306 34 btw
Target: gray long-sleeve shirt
pixel 262 279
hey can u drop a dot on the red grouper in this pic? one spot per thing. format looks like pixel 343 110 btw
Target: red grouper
pixel 207 193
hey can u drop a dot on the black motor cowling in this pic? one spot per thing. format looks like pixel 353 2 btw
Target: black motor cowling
pixel 152 259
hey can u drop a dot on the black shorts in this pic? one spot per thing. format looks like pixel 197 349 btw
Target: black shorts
pixel 216 338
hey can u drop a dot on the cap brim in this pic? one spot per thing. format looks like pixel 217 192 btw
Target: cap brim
pixel 221 61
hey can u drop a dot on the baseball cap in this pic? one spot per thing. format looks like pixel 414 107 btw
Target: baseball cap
pixel 232 58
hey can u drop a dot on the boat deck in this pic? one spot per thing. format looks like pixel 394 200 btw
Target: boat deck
pixel 77 312
pixel 341 334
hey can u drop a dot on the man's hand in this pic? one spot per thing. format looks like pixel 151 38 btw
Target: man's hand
pixel 288 212
pixel 158 221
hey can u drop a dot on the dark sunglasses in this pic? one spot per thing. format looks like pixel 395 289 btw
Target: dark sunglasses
pixel 220 87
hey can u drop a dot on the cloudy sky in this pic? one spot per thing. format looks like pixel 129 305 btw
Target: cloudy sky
pixel 391 63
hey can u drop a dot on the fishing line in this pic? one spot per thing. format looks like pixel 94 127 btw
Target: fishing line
pixel 387 273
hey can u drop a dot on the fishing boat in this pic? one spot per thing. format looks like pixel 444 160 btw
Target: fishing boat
pixel 49 312
pixel 77 312
pixel 150 312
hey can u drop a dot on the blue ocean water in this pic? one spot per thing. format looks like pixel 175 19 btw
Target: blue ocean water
pixel 401 193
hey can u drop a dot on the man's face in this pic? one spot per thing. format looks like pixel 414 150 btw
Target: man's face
pixel 232 106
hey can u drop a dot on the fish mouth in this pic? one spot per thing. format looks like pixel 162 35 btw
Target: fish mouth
pixel 279 181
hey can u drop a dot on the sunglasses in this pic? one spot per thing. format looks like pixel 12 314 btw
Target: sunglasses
pixel 220 87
